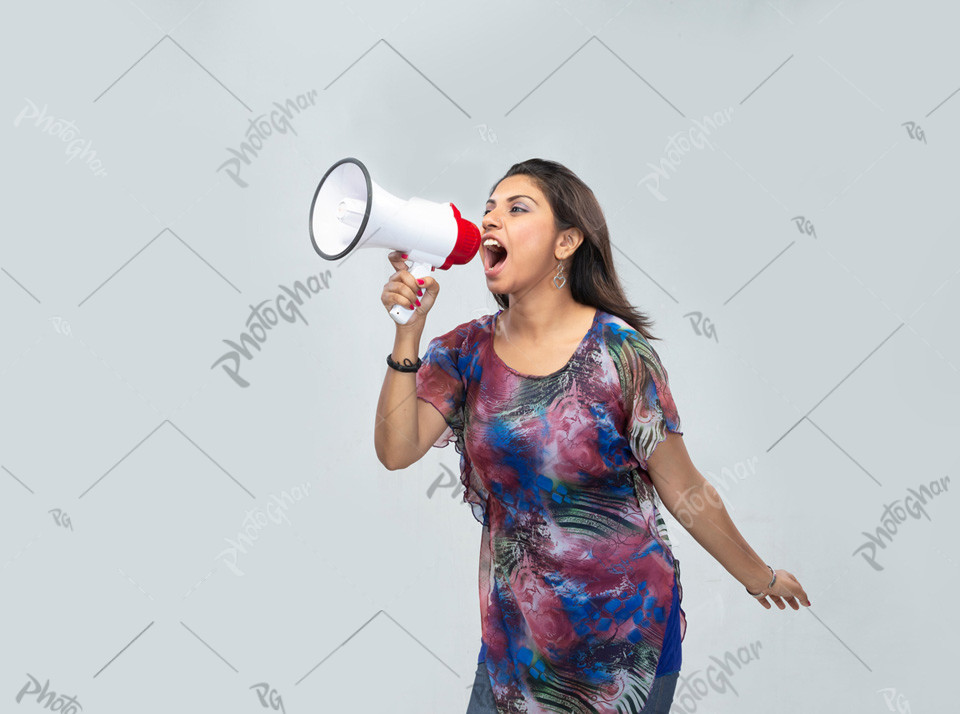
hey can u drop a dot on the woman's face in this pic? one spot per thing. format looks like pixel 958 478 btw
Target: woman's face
pixel 518 216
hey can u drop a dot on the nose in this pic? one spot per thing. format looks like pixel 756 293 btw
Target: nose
pixel 489 221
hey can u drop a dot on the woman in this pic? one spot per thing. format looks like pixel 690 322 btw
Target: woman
pixel 569 440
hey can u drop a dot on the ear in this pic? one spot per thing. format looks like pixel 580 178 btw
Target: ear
pixel 568 242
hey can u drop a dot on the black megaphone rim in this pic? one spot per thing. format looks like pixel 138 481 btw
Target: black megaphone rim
pixel 366 213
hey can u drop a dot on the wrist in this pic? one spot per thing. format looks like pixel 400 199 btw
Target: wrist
pixel 759 579
pixel 408 336
pixel 406 346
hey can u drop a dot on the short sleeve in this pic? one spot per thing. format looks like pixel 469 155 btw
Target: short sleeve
pixel 442 381
pixel 651 410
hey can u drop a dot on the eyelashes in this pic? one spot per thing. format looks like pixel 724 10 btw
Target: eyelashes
pixel 511 210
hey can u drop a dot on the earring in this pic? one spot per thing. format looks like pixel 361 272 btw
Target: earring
pixel 559 276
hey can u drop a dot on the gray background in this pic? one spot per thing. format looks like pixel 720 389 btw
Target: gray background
pixel 813 359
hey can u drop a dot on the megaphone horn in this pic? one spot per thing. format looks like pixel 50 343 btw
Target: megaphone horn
pixel 350 211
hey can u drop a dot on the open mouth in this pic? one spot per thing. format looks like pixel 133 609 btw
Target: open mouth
pixel 494 254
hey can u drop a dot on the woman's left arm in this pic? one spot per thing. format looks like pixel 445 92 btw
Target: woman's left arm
pixel 693 501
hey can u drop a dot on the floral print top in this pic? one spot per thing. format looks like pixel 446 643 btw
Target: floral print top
pixel 576 569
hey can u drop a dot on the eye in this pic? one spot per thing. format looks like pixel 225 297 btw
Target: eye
pixel 524 210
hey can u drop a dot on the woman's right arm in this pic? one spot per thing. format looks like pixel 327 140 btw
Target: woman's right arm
pixel 406 427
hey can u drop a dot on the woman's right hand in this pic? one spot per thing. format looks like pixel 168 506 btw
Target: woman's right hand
pixel 403 289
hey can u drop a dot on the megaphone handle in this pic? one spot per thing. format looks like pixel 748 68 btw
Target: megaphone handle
pixel 401 313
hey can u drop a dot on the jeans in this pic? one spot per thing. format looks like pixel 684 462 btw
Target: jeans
pixel 658 702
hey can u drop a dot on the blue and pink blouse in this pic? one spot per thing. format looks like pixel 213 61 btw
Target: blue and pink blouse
pixel 579 589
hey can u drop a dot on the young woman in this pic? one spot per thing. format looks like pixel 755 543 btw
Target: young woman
pixel 569 440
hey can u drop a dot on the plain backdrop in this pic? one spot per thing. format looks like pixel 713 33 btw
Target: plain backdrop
pixel 779 181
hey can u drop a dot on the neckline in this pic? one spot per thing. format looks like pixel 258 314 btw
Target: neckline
pixel 573 357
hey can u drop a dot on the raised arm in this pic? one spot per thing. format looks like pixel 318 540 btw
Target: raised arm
pixel 406 427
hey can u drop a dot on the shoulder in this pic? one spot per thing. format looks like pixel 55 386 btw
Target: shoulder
pixel 615 324
pixel 628 348
pixel 462 338
pixel 619 334
pixel 468 329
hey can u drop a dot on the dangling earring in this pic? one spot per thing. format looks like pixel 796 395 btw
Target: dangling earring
pixel 559 276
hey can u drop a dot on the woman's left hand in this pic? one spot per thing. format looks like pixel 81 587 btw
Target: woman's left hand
pixel 785 588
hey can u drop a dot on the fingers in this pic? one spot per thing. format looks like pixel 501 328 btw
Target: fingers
pixel 410 293
pixel 404 275
pixel 790 600
pixel 800 592
pixel 396 261
pixel 779 601
pixel 403 283
pixel 795 592
pixel 429 285
pixel 794 598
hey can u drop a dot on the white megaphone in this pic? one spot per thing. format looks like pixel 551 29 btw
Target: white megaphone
pixel 350 211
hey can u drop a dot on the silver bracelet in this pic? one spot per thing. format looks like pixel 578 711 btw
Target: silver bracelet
pixel 763 593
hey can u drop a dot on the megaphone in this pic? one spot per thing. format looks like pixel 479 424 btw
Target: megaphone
pixel 350 211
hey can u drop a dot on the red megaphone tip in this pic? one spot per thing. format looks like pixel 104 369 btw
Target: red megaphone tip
pixel 468 241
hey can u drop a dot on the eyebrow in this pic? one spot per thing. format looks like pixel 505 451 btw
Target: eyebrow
pixel 490 200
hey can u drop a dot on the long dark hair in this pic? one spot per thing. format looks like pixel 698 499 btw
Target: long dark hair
pixel 593 278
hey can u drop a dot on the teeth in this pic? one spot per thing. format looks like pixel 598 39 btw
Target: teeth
pixel 493 242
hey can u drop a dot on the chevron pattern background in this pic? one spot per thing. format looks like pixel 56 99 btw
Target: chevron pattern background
pixel 192 514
